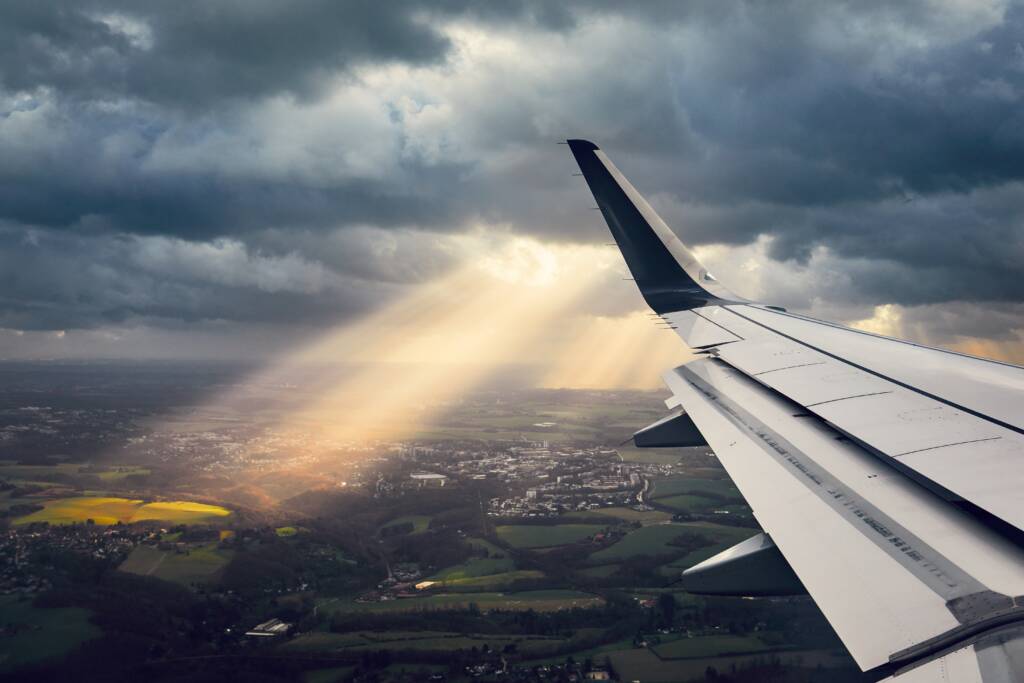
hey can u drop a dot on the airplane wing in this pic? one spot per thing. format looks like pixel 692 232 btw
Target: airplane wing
pixel 888 477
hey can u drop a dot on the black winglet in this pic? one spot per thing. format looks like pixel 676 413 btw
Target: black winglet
pixel 660 270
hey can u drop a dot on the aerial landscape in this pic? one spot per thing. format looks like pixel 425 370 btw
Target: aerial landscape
pixel 512 535
pixel 529 341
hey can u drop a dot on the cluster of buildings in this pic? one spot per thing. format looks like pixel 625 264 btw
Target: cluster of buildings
pixel 228 448
pixel 540 479
pixel 50 429
pixel 584 481
pixel 21 570
pixel 239 447
pixel 572 671
pixel 403 582
pixel 534 461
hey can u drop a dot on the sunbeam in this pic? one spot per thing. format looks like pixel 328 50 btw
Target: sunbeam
pixel 386 376
pixel 627 352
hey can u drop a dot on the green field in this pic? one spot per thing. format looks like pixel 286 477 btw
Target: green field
pixel 475 568
pixel 641 664
pixel 601 572
pixel 709 646
pixel 541 601
pixel 530 536
pixel 674 486
pixel 7 501
pixel 472 572
pixel 43 473
pixel 686 502
pixel 319 641
pixel 105 510
pixel 654 540
pixel 40 634
pixel 481 544
pixel 116 473
pixel 623 513
pixel 200 565
pixel 420 523
pixel 490 581
pixel 648 540
pixel 9 469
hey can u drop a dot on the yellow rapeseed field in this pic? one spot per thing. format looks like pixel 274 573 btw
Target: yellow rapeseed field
pixel 105 510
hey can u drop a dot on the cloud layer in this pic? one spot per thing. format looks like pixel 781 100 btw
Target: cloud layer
pixel 254 164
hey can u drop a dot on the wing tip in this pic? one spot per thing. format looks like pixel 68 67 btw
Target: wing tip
pixel 579 145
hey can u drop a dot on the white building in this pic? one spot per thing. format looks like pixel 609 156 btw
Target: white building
pixel 428 478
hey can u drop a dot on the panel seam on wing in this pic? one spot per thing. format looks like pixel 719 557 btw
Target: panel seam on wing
pixel 789 367
pixel 697 313
pixel 875 373
pixel 847 398
pixel 947 445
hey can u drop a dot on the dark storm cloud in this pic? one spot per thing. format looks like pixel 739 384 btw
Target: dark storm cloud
pixel 56 280
pixel 195 54
pixel 763 117
pixel 892 136
pixel 66 191
pixel 190 60
pixel 952 322
pixel 199 54
pixel 920 250
pixel 763 109
pixel 786 119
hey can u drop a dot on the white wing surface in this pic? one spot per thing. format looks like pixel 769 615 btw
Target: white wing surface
pixel 887 476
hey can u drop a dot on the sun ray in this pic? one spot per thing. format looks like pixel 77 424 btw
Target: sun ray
pixel 389 374
pixel 615 352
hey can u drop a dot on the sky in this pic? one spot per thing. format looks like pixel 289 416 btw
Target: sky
pixel 238 180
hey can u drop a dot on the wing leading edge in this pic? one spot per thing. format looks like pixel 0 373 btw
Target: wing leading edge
pixel 884 473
